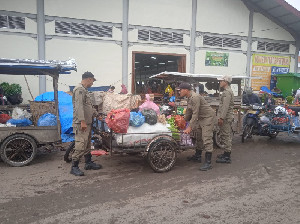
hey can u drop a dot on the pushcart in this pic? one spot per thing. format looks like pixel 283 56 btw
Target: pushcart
pixel 19 145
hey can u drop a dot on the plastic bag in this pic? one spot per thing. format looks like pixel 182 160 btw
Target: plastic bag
pixel 118 120
pixel 150 116
pixel 4 118
pixel 19 122
pixel 180 122
pixel 169 90
pixel 185 139
pixel 162 119
pixel 136 119
pixel 265 119
pixel 47 120
pixel 18 113
pixel 148 104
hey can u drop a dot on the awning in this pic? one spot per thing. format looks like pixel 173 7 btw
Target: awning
pixel 36 67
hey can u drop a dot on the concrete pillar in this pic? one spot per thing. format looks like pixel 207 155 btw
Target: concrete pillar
pixel 193 37
pixel 249 47
pixel 125 43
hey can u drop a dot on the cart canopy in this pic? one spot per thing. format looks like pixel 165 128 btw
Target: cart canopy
pixel 189 77
pixel 35 67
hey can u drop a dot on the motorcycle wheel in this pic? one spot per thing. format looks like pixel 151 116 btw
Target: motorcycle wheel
pixel 247 132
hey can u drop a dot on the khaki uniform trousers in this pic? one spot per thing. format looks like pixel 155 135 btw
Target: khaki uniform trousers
pixel 82 141
pixel 226 134
pixel 203 135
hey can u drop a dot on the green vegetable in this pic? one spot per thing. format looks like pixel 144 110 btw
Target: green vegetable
pixel 10 90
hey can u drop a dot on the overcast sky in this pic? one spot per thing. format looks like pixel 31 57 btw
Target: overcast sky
pixel 295 3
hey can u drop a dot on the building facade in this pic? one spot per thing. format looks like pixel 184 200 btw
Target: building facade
pixel 197 36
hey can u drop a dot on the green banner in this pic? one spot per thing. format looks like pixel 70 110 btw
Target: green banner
pixel 216 59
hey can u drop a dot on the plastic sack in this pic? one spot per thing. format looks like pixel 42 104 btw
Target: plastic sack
pixel 142 135
pixel 150 116
pixel 180 122
pixel 18 113
pixel 148 104
pixel 136 119
pixel 19 122
pixel 118 120
pixel 47 120
pixel 162 119
pixel 185 139
pixel 265 119
pixel 4 118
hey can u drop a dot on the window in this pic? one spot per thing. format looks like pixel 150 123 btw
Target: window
pixel 12 22
pixel 62 27
pixel 221 41
pixel 160 36
pixel 269 46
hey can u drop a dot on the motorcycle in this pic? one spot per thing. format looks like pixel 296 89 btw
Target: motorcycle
pixel 256 124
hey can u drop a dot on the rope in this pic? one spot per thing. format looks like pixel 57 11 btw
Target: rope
pixel 28 87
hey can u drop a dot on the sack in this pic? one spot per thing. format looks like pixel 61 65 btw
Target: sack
pixel 150 116
pixel 142 135
pixel 148 104
pixel 47 120
pixel 118 120
pixel 162 119
pixel 15 99
pixel 136 119
pixel 180 122
pixel 19 122
pixel 18 113
pixel 4 118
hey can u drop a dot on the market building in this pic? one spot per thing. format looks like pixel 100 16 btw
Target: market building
pixel 127 41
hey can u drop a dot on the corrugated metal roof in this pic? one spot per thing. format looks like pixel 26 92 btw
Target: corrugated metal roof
pixel 280 12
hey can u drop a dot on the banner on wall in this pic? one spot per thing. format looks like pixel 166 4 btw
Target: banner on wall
pixel 216 59
pixel 265 66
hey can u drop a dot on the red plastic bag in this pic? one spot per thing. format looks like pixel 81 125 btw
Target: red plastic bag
pixel 180 122
pixel 4 118
pixel 118 120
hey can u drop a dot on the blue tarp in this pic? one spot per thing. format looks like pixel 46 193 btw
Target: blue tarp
pixel 65 111
pixel 265 89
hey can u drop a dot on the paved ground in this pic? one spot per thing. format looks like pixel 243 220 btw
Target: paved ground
pixel 262 185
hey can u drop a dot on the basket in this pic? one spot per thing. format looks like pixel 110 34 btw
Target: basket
pixel 37 109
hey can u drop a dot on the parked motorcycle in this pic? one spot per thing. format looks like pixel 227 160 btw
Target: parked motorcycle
pixel 256 124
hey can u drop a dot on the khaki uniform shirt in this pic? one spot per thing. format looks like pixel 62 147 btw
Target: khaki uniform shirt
pixel 225 110
pixel 82 105
pixel 197 110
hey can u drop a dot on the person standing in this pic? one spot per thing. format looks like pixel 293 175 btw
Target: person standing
pixel 82 125
pixel 201 117
pixel 225 117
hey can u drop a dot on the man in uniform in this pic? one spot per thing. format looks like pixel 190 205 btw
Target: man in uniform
pixel 225 117
pixel 201 117
pixel 82 125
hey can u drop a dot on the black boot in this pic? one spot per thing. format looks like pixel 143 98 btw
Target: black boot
pixel 75 169
pixel 221 155
pixel 207 165
pixel 225 158
pixel 196 157
pixel 89 164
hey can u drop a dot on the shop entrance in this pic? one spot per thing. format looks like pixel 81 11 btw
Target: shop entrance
pixel 146 64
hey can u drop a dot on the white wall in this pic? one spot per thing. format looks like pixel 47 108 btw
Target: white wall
pixel 27 6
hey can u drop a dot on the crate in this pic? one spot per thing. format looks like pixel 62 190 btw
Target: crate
pixel 37 109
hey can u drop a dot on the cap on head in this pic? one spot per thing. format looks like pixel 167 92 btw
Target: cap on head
pixel 227 78
pixel 249 90
pixel 87 75
pixel 185 85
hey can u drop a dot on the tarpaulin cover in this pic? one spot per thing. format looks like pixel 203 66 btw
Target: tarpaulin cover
pixel 65 110
pixel 47 120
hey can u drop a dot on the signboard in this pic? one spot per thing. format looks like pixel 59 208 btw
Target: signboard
pixel 216 59
pixel 264 66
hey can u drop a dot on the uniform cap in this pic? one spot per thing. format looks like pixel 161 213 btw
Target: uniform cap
pixel 185 85
pixel 227 78
pixel 88 75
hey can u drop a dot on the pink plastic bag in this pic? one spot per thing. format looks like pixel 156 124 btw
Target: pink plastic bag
pixel 149 105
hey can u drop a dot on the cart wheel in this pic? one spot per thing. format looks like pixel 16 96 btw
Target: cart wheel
pixel 247 132
pixel 274 134
pixel 162 153
pixel 217 139
pixel 18 150
pixel 69 152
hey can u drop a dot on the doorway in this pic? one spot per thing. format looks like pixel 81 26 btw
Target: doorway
pixel 146 64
